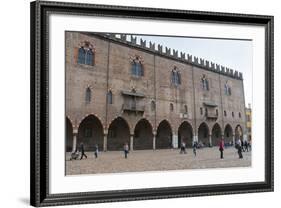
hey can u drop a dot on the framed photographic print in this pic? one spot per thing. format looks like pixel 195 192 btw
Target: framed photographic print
pixel 131 103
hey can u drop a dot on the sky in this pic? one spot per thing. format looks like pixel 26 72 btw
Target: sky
pixel 234 54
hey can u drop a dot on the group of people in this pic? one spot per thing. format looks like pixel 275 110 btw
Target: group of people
pixel 76 154
pixel 241 146
pixel 81 152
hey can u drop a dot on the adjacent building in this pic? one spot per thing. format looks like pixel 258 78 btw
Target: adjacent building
pixel 119 90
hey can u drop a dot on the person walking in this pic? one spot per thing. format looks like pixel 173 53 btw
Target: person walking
pixel 96 151
pixel 183 148
pixel 194 146
pixel 82 151
pixel 221 147
pixel 239 148
pixel 126 150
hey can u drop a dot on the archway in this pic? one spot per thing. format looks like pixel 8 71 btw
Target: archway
pixel 164 135
pixel 68 135
pixel 203 134
pixel 238 133
pixel 185 134
pixel 228 134
pixel 118 134
pixel 143 136
pixel 90 132
pixel 216 134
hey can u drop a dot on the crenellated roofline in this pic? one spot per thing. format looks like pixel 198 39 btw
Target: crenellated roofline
pixel 169 53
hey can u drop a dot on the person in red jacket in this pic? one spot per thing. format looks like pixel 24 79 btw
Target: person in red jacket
pixel 221 147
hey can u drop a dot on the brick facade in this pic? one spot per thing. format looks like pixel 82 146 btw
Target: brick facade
pixel 147 111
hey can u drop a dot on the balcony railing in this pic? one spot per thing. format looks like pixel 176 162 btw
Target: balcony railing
pixel 133 107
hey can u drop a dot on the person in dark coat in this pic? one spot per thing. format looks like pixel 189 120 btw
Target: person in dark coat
pixel 221 147
pixel 126 150
pixel 239 148
pixel 82 151
pixel 194 147
pixel 96 151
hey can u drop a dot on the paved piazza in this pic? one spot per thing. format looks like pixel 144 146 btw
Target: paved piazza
pixel 149 160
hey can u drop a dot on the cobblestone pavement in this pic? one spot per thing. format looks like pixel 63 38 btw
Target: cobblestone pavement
pixel 149 160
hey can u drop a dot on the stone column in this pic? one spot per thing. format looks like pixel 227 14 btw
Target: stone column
pixel 175 141
pixel 154 140
pixel 131 142
pixel 210 140
pixel 74 143
pixel 105 142
pixel 195 139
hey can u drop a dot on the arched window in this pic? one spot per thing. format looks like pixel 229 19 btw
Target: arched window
pixel 224 112
pixel 217 112
pixel 88 95
pixel 185 109
pixel 227 89
pixel 109 97
pixel 175 77
pixel 233 114
pixel 86 54
pixel 153 106
pixel 205 83
pixel 239 115
pixel 201 111
pixel 171 107
pixel 137 67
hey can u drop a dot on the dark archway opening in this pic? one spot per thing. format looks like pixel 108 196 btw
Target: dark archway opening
pixel 216 134
pixel 203 134
pixel 185 134
pixel 68 135
pixel 228 135
pixel 118 134
pixel 90 132
pixel 143 136
pixel 164 135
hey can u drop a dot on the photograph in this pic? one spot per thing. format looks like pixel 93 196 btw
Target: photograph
pixel 144 102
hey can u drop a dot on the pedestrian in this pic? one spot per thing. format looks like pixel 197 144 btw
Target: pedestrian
pixel 194 146
pixel 96 151
pixel 221 147
pixel 126 150
pixel 239 148
pixel 82 151
pixel 246 145
pixel 183 148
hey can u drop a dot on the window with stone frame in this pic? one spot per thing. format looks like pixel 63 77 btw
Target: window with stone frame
pixel 205 83
pixel 153 105
pixel 88 95
pixel 109 97
pixel 86 54
pixel 171 107
pixel 227 89
pixel 175 77
pixel 137 66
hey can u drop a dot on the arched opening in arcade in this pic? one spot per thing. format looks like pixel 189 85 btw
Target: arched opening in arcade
pixel 68 135
pixel 238 133
pixel 164 135
pixel 216 134
pixel 185 134
pixel 90 133
pixel 228 135
pixel 118 134
pixel 143 136
pixel 203 135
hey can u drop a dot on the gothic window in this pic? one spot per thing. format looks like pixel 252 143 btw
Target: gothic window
pixel 153 106
pixel 239 115
pixel 217 112
pixel 88 95
pixel 201 111
pixel 185 109
pixel 86 54
pixel 227 89
pixel 205 83
pixel 233 114
pixel 137 67
pixel 206 111
pixel 175 77
pixel 224 112
pixel 109 97
pixel 171 107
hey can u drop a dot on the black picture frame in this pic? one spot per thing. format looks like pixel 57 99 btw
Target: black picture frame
pixel 39 187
